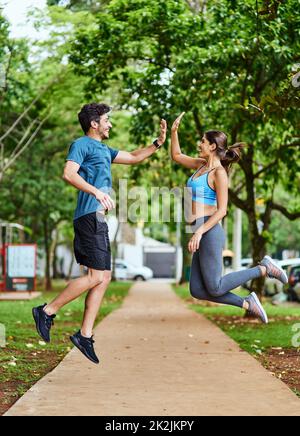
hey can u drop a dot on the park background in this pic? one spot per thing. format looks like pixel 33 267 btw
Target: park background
pixel 231 65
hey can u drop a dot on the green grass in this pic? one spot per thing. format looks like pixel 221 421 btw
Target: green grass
pixel 25 359
pixel 251 336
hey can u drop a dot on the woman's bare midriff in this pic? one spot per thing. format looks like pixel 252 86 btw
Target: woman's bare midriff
pixel 200 210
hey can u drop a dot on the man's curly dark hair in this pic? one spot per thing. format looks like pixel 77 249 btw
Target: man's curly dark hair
pixel 92 112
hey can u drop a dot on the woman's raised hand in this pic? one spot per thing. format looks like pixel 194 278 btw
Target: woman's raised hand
pixel 163 132
pixel 177 122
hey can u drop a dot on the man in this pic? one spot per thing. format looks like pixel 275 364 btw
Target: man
pixel 88 168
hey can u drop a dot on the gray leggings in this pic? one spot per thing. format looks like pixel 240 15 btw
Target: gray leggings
pixel 206 281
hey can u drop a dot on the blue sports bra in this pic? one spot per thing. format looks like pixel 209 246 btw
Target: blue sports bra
pixel 201 190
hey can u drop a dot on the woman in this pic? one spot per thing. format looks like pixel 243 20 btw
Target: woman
pixel 209 188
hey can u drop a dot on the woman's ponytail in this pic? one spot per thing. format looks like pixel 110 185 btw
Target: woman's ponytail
pixel 232 155
pixel 227 155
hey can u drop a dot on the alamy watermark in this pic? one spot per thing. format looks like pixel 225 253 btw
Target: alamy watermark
pixel 2 76
pixel 296 337
pixel 296 77
pixel 155 205
pixel 2 336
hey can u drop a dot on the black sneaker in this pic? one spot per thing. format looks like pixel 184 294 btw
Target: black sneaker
pixel 43 322
pixel 86 346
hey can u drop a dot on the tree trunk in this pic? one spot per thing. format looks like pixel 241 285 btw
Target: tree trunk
pixel 53 254
pixel 114 250
pixel 48 282
pixel 258 244
pixel 71 267
pixel 258 285
pixel 54 262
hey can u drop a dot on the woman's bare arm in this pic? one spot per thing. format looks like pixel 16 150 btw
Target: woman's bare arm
pixel 177 155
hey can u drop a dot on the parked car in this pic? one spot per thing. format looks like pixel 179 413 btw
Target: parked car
pixel 293 288
pixel 126 271
pixel 246 263
pixel 273 286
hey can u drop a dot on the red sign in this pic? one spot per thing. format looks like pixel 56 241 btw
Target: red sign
pixel 19 267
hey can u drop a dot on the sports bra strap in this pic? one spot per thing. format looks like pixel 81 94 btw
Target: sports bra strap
pixel 208 172
pixel 196 172
pixel 211 170
pixel 199 169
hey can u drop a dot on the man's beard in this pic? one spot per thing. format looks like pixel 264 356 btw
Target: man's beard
pixel 104 135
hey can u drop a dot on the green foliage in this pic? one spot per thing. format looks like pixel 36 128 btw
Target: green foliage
pixel 76 5
pixel 229 67
pixel 15 71
pixel 168 59
pixel 3 35
pixel 32 191
pixel 284 234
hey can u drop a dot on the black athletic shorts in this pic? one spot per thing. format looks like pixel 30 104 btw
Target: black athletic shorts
pixel 91 243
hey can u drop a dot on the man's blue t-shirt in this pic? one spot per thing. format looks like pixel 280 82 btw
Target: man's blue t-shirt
pixel 95 159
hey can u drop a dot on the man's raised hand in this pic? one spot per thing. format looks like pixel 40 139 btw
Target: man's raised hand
pixel 163 132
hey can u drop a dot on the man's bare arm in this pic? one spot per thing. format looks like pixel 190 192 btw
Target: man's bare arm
pixel 73 178
pixel 135 157
pixel 138 156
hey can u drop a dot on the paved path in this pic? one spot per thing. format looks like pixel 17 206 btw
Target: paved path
pixel 15 296
pixel 159 358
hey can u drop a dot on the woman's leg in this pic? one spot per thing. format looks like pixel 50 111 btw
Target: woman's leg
pixel 197 287
pixel 211 265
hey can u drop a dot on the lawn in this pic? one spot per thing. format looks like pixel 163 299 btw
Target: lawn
pixel 26 358
pixel 272 344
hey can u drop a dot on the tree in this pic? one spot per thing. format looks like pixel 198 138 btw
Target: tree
pixel 227 66
pixel 36 196
pixel 20 121
pixel 21 133
pixel 37 124
pixel 75 5
pixel 32 191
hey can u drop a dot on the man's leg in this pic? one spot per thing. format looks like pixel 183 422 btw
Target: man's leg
pixel 74 289
pixel 92 305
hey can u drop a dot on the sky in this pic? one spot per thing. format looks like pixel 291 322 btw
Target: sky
pixel 16 11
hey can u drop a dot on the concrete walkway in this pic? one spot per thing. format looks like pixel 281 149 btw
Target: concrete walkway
pixel 19 296
pixel 159 358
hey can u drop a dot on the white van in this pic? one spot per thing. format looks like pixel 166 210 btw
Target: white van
pixel 126 271
pixel 273 286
